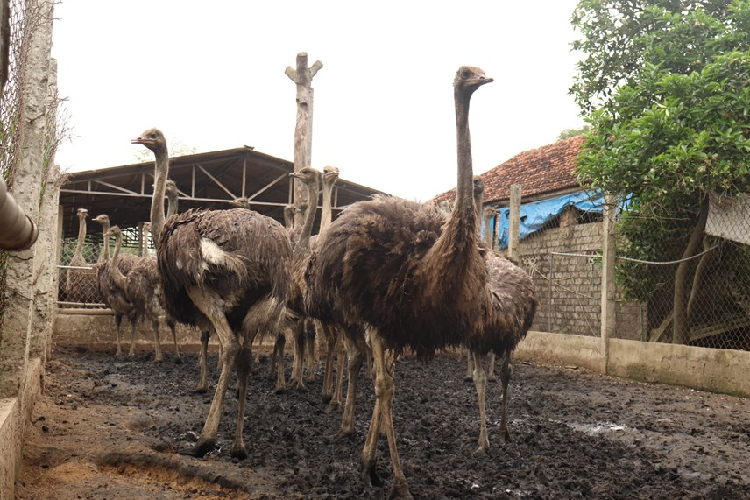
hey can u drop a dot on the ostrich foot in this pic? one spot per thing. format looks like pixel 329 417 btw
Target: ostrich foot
pixel 399 489
pixel 482 448
pixel 279 389
pixel 327 398
pixel 201 388
pixel 505 436
pixel 341 435
pixel 370 476
pixel 332 407
pixel 238 452
pixel 468 378
pixel 491 378
pixel 177 360
pixel 160 359
pixel 200 449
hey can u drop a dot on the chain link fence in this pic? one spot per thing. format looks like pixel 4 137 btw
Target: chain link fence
pixel 78 285
pixel 709 289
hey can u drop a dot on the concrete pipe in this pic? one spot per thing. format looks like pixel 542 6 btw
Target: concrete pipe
pixel 17 230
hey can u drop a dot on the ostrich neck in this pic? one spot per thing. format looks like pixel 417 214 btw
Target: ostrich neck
pixel 78 253
pixel 312 202
pixel 486 216
pixel 450 258
pixel 105 243
pixel 114 270
pixel 161 171
pixel 172 202
pixel 325 217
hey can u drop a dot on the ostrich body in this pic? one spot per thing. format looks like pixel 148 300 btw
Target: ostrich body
pixel 113 296
pixel 505 323
pixel 226 267
pixel 416 279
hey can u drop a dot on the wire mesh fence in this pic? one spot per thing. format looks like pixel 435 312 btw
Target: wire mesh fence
pixel 698 296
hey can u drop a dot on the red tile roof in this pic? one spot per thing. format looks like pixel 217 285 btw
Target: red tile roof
pixel 542 170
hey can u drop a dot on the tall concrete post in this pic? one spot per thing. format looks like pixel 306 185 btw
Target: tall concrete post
pixel 608 324
pixel 302 76
pixel 21 289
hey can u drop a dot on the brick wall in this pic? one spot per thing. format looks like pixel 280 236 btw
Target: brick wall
pixel 568 288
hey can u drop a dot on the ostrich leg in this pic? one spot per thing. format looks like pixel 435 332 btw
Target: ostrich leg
pixel 133 328
pixel 210 305
pixel 118 329
pixel 355 347
pixel 279 363
pixel 330 335
pixel 244 362
pixel 299 353
pixel 341 356
pixel 310 349
pixel 384 388
pixel 505 373
pixel 491 369
pixel 158 357
pixel 203 361
pixel 173 327
pixel 480 382
pixel 469 365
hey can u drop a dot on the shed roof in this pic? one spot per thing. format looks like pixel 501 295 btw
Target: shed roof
pixel 546 170
pixel 210 180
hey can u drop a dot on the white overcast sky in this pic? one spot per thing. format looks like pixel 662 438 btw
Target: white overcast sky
pixel 211 76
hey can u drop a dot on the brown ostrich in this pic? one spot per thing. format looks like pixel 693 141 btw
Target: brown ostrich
pixel 143 286
pixel 113 296
pixel 416 279
pixel 112 283
pixel 81 284
pixel 505 323
pixel 226 267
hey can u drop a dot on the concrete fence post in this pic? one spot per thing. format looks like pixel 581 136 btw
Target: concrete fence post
pixel 608 324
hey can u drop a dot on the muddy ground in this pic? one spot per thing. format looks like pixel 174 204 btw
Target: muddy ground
pixel 108 429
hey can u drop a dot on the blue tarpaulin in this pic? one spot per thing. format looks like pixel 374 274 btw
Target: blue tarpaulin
pixel 536 214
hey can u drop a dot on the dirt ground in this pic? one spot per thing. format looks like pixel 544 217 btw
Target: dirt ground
pixel 109 429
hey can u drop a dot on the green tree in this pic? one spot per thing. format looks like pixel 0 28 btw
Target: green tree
pixel 666 86
pixel 573 132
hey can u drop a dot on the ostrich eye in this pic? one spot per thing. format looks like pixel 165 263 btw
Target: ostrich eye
pixel 466 74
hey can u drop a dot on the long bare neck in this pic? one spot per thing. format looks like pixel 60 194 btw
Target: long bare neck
pixel 312 205
pixel 161 171
pixel 78 253
pixel 464 207
pixel 172 202
pixel 114 270
pixel 104 257
pixel 326 215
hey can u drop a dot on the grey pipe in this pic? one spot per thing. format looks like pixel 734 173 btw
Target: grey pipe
pixel 17 230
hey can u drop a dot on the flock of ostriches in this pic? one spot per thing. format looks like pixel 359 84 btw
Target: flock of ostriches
pixel 388 275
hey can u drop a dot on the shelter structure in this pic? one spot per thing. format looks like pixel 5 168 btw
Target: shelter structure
pixel 215 180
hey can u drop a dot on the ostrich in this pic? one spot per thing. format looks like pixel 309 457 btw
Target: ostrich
pixel 143 286
pixel 227 267
pixel 414 278
pixel 112 284
pixel 80 284
pixel 113 296
pixel 506 321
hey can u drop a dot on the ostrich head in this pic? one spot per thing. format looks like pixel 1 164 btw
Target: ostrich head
pixel 468 79
pixel 146 227
pixel 83 213
pixel 172 188
pixel 102 219
pixel 114 231
pixel 330 174
pixel 153 139
pixel 478 186
pixel 307 175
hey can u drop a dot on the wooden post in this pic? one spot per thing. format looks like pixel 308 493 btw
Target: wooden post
pixel 302 77
pixel 514 224
pixel 608 276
